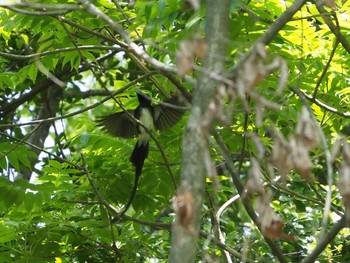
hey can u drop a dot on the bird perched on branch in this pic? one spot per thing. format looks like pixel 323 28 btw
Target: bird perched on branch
pixel 140 122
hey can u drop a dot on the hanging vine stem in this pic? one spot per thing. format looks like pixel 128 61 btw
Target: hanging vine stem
pixel 218 215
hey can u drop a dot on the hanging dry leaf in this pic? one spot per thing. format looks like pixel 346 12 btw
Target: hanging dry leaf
pixel 328 3
pixel 210 258
pixel 215 110
pixel 336 149
pixel 200 49
pixel 271 224
pixel 183 207
pixel 346 153
pixel 255 183
pixel 306 131
pixel 195 4
pixel 344 184
pixel 281 155
pixel 188 52
pixel 259 146
pixel 344 177
pixel 257 67
pixel 300 156
pixel 344 180
pixel 185 58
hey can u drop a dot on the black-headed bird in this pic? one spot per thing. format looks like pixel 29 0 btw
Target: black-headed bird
pixel 123 124
pixel 161 117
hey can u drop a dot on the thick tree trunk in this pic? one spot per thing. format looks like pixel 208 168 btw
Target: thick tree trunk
pixel 39 136
pixel 195 141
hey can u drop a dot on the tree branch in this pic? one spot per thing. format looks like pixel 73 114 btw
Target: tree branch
pixel 12 106
pixel 334 28
pixel 273 30
pixel 56 51
pixel 127 86
pixel 318 102
pixel 240 188
pixel 327 239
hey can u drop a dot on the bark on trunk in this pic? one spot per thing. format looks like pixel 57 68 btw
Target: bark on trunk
pixel 195 142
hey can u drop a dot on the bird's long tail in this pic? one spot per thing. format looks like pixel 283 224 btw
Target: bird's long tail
pixel 138 156
pixel 131 198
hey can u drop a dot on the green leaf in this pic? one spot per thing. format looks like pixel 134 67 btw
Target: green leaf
pixel 88 55
pixel 161 6
pixel 29 202
pixel 148 10
pixel 6 79
pixel 69 58
pixel 10 198
pixel 23 157
pixel 3 162
pixel 46 45
pixel 12 157
pixel 55 164
pixel 32 72
pixel 7 233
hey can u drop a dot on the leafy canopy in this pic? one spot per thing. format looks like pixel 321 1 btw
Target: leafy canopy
pixel 62 180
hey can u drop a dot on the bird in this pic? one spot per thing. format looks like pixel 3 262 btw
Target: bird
pixel 126 124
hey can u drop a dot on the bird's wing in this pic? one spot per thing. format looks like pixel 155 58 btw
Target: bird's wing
pixel 168 113
pixel 119 124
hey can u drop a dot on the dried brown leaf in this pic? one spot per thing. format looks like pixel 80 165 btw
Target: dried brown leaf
pixel 281 155
pixel 195 4
pixel 185 58
pixel 328 3
pixel 306 131
pixel 200 49
pixel 346 153
pixel 255 183
pixel 183 207
pixel 300 155
pixel 271 224
pixel 344 177
pixel 189 51
pixel 257 67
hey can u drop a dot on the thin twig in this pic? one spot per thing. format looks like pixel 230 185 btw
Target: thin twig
pixel 334 28
pixel 56 51
pixel 43 150
pixel 101 199
pixel 40 6
pixel 19 142
pixel 225 247
pixel 325 69
pixel 237 182
pixel 121 90
pixel 271 33
pixel 319 103
pixel 92 9
pixel 39 13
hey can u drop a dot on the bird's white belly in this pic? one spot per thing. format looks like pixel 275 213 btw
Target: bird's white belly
pixel 147 120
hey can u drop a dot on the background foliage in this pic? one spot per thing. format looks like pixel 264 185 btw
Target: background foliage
pixel 60 64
